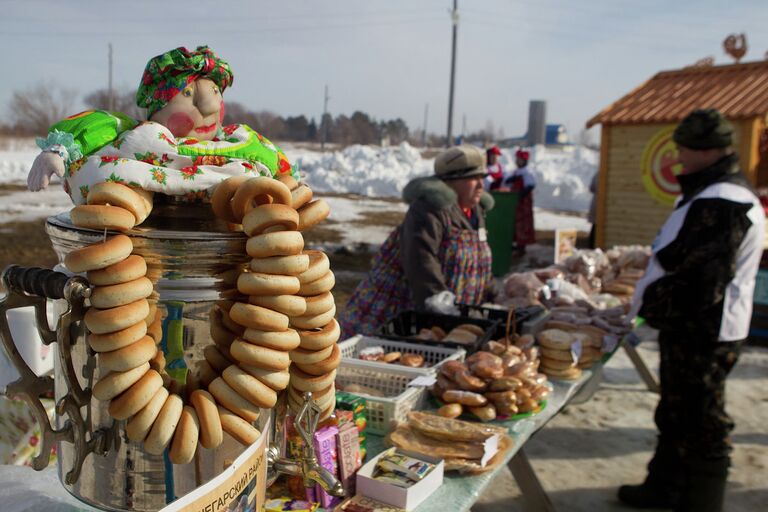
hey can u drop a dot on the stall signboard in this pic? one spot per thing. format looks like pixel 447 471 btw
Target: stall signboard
pixel 660 166
pixel 565 244
pixel 241 486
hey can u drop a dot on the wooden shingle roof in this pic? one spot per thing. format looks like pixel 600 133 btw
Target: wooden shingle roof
pixel 736 90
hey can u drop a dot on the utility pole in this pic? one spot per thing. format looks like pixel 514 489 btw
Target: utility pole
pixel 324 121
pixel 455 21
pixel 111 92
pixel 463 126
pixel 424 133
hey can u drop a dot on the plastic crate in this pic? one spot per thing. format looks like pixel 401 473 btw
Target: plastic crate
pixel 392 381
pixel 407 325
pixel 434 357
pixel 522 316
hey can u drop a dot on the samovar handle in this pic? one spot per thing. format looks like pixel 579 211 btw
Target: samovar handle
pixel 32 286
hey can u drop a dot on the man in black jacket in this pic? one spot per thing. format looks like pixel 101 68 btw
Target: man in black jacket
pixel 697 291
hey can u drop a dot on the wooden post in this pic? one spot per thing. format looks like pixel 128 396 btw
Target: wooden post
pixel 601 205
pixel 749 147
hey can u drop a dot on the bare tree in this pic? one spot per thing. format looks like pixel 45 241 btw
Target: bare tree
pixel 125 102
pixel 36 109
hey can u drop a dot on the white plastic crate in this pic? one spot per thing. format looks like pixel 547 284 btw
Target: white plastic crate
pixel 392 381
pixel 434 356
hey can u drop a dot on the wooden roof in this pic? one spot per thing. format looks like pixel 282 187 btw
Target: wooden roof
pixel 736 90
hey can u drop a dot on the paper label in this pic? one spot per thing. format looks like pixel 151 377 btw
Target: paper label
pixel 576 351
pixel 244 483
pixel 423 381
pixel 482 235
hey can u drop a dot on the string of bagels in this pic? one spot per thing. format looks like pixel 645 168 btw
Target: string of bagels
pixel 275 332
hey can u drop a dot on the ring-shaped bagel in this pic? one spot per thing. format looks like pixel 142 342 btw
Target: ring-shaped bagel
pixel 114 383
pixel 317 339
pixel 132 267
pixel 259 190
pixel 221 201
pixel 325 366
pixel 216 358
pixel 164 425
pixel 280 243
pixel 122 293
pixel 319 265
pixel 102 321
pixel 292 265
pixel 306 382
pixel 240 430
pixel 117 339
pixel 262 357
pixel 322 397
pixel 211 434
pixel 313 213
pixel 291 305
pixel 100 255
pixel 253 283
pixel 98 216
pixel 117 194
pixel 278 340
pixel 257 317
pixel 231 400
pixel 128 358
pixel 185 437
pixel 138 427
pixel 319 304
pixel 136 397
pixel 318 286
pixel 313 321
pixel 289 181
pixel 249 387
pixel 300 196
pixel 275 379
pixel 270 215
pixel 308 357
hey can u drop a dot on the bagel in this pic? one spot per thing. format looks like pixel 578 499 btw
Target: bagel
pixel 138 426
pixel 111 385
pixel 260 190
pixel 319 265
pixel 252 283
pixel 278 340
pixel 554 364
pixel 257 317
pixel 205 372
pixel 118 339
pixel 216 358
pixel 555 339
pixel 228 323
pixel 316 339
pixel 117 194
pixel 275 379
pixel 322 285
pixel 99 255
pixel 152 313
pixel 131 268
pixel 280 243
pixel 313 321
pixel 313 213
pixel 164 426
pixel 136 397
pixel 291 305
pixel 98 216
pixel 319 304
pixel 220 335
pixel 232 401
pixel 225 305
pixel 474 329
pixel 572 373
pixel 268 216
pixel 300 196
pixel 308 357
pixel 221 201
pixel 559 355
pixel 242 431
pixel 157 362
pixel 291 265
pixel 185 437
pixel 128 357
pixel 249 387
pixel 306 382
pixel 327 365
pixel 121 294
pixel 147 197
pixel 155 330
pixel 262 357
pixel 211 434
pixel 289 181
pixel 102 321
pixel 323 398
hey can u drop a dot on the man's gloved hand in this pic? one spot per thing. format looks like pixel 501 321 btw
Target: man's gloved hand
pixel 45 165
pixel 442 302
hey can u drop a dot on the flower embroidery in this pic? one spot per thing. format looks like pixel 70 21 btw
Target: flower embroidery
pixel 118 142
pixel 189 173
pixel 248 167
pixel 282 164
pixel 212 160
pixel 190 142
pixel 114 178
pixel 151 158
pixel 108 160
pixel 159 175
pixel 229 129
pixel 163 136
pixel 84 191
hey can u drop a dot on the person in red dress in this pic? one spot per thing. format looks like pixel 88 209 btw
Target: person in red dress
pixel 521 180
pixel 495 170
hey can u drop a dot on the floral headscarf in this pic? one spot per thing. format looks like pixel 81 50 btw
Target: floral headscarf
pixel 168 74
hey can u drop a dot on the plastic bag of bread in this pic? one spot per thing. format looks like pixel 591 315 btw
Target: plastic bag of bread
pixel 447 429
pixel 525 285
pixel 407 438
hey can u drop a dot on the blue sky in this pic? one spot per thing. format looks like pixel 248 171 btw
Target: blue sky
pixel 388 58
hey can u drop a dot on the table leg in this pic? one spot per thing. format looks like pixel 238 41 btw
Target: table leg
pixel 535 498
pixel 650 380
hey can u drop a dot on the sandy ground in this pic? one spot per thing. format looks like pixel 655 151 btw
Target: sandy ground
pixel 584 453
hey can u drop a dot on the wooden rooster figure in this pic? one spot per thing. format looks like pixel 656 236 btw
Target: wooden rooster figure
pixel 736 46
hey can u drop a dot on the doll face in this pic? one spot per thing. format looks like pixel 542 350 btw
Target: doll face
pixel 197 111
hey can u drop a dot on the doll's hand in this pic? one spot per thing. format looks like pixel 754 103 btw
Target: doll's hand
pixel 45 165
pixel 442 302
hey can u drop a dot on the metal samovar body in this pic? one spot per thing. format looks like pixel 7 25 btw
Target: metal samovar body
pixel 189 253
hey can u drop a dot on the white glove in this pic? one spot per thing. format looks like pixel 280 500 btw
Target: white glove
pixel 442 302
pixel 45 165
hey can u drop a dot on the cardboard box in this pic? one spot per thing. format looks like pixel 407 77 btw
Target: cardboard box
pixel 406 498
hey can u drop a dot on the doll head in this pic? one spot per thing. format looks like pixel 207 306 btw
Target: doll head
pixel 182 90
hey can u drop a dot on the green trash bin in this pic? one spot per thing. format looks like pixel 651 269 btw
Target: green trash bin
pixel 500 222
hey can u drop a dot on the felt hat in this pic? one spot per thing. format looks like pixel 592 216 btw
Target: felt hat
pixel 460 162
pixel 704 129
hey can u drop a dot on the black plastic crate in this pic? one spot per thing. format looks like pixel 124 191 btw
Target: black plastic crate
pixel 522 315
pixel 407 325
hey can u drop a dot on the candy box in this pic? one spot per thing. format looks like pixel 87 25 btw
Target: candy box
pixel 348 456
pixel 356 404
pixel 325 450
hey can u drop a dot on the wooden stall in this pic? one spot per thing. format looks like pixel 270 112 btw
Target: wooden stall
pixel 638 159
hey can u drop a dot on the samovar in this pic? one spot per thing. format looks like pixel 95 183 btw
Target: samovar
pixel 188 252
